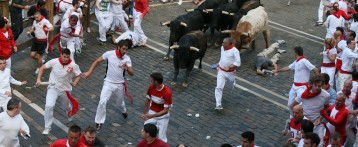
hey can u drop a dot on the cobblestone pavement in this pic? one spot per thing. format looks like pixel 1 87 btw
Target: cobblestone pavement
pixel 257 104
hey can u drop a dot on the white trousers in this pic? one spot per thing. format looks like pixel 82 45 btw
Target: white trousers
pixel 71 44
pixel 108 90
pixel 320 10
pixel 51 97
pixel 118 20
pixel 4 99
pixel 8 63
pixel 340 80
pixel 161 123
pixel 137 26
pixel 221 78
pixel 330 71
pixel 320 130
pixel 273 47
pixel 292 95
pixel 105 21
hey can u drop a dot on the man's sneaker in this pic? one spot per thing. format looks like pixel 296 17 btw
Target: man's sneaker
pixel 36 72
pixel 319 23
pixel 46 131
pixel 78 52
pixel 100 41
pixel 125 115
pixel 98 127
pixel 281 41
pixel 88 30
pixel 281 51
pixel 218 107
pixel 130 16
pixel 70 118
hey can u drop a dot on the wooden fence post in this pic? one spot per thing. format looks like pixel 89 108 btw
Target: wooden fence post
pixel 50 8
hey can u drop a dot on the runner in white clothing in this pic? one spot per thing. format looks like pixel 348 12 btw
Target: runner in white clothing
pixel 114 83
pixel 74 9
pixel 248 139
pixel 348 58
pixel 5 80
pixel 116 8
pixel 104 18
pixel 63 70
pixel 329 57
pixel 302 68
pixel 333 21
pixel 314 99
pixel 40 27
pixel 11 124
pixel 62 6
pixel 229 61
pixel 131 37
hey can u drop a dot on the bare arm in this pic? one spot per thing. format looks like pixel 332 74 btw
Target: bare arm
pixel 283 69
pixel 130 71
pixel 97 5
pixel 93 66
pixel 316 71
pixel 78 78
pixel 146 106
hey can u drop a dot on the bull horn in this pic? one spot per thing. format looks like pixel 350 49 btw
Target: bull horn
pixel 244 33
pixel 189 10
pixel 174 47
pixel 183 24
pixel 165 23
pixel 225 12
pixel 227 31
pixel 194 49
pixel 209 10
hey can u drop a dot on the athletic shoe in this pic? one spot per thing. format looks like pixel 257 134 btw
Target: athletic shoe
pixel 130 16
pixel 281 41
pixel 319 23
pixel 281 51
pixel 98 127
pixel 101 42
pixel 88 30
pixel 218 107
pixel 78 52
pixel 46 131
pixel 70 118
pixel 125 115
pixel 180 2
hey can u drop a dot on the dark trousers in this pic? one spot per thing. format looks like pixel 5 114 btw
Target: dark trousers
pixel 16 24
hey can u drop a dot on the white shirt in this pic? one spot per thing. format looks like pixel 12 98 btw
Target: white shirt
pixel 332 51
pixel 61 76
pixel 332 23
pixel 66 28
pixel 71 11
pixel 229 57
pixel 348 58
pixel 39 31
pixel 355 86
pixel 5 80
pixel 343 6
pixel 354 27
pixel 313 106
pixel 129 35
pixel 254 146
pixel 10 129
pixel 342 45
pixel 302 70
pixel 114 73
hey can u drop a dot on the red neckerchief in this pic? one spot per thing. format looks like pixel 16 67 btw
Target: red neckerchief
pixel 64 64
pixel 253 145
pixel 229 47
pixel 326 87
pixel 347 95
pixel 327 49
pixel 41 18
pixel 118 54
pixel 355 80
pixel 300 58
pixel 307 94
pixel 336 14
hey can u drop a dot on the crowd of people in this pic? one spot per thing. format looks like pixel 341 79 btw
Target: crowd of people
pixel 322 106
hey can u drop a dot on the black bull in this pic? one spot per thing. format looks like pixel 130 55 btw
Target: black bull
pixel 191 46
pixel 181 25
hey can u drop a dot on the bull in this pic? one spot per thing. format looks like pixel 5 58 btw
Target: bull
pixel 181 25
pixel 246 7
pixel 248 28
pixel 191 46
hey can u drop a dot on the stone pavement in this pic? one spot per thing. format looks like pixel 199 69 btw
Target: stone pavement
pixel 242 110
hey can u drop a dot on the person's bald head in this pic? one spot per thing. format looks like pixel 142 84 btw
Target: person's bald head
pixel 340 100
pixel 297 113
pixel 347 87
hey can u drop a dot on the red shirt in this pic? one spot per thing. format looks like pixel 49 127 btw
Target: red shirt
pixel 63 143
pixel 141 6
pixel 83 140
pixel 160 99
pixel 339 121
pixel 156 143
pixel 6 43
